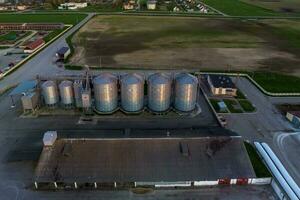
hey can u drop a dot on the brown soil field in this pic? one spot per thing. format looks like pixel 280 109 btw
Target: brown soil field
pixel 187 43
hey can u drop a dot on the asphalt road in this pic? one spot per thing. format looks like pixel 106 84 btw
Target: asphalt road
pixel 42 63
pixel 268 125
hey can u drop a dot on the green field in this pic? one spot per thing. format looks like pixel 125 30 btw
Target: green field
pixel 239 8
pixel 69 18
pixel 260 169
pixel 288 6
pixel 277 83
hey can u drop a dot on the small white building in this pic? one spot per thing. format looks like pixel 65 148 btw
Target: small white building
pixel 221 85
pixel 151 4
pixel 72 6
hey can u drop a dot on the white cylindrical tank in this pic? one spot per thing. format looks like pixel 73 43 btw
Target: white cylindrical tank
pixel 106 92
pixel 66 92
pixel 159 92
pixel 132 92
pixel 49 92
pixel 186 90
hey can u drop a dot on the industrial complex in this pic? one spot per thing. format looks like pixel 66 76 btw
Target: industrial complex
pixel 119 105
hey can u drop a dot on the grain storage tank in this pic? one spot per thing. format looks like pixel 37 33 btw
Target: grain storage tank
pixel 132 92
pixel 186 88
pixel 159 92
pixel 78 88
pixel 66 93
pixel 49 92
pixel 106 92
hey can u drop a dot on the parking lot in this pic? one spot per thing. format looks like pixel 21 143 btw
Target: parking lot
pixel 9 57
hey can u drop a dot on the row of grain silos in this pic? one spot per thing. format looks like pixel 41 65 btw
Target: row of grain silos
pixel 132 92
pixel 160 92
pixel 51 94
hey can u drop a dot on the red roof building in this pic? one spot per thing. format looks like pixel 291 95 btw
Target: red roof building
pixel 31 47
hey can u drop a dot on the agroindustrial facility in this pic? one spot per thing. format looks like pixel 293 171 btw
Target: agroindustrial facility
pixel 199 154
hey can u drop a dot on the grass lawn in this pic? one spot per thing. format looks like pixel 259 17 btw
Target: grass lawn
pixel 53 34
pixel 240 95
pixel 67 18
pixel 231 106
pixel 246 105
pixel 277 83
pixel 239 8
pixel 260 169
pixel 73 67
pixel 12 35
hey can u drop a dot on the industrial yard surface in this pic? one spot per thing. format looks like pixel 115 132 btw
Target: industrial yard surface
pixel 188 43
pixel 144 160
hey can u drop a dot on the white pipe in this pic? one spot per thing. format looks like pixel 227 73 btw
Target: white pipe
pixel 276 172
pixel 282 169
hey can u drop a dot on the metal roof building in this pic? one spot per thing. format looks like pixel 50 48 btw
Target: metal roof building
pixel 143 160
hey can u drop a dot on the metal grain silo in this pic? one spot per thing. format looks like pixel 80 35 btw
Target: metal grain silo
pixel 186 89
pixel 159 92
pixel 78 88
pixel 106 92
pixel 66 93
pixel 132 92
pixel 49 92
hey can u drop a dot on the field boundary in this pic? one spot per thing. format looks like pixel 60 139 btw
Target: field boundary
pixel 281 94
pixel 35 53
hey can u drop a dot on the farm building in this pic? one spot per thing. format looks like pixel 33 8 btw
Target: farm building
pixel 63 53
pixel 221 85
pixel 31 26
pixel 155 162
pixel 31 47
pixel 294 117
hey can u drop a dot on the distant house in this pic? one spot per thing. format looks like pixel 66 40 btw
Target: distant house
pixel 63 53
pixel 72 6
pixel 151 4
pixel 128 6
pixel 294 118
pixel 31 47
pixel 221 85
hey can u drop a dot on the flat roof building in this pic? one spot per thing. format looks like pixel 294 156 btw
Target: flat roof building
pixel 150 161
pixel 221 85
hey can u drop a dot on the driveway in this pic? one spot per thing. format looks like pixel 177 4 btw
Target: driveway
pixel 42 63
pixel 268 125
